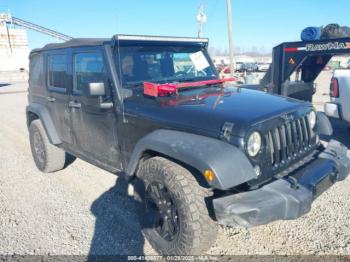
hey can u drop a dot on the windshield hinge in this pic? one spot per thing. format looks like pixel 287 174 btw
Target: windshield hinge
pixel 226 131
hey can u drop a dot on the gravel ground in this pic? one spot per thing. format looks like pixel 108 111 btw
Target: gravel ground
pixel 83 209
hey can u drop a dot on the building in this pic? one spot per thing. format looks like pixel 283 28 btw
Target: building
pixel 14 50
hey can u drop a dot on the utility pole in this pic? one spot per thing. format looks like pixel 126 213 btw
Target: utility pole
pixel 230 41
pixel 201 19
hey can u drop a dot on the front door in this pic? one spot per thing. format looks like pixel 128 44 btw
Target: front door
pixel 93 127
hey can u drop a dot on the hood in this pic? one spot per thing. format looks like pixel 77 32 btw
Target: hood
pixel 206 110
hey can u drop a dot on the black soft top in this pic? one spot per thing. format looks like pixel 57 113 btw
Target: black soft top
pixel 76 42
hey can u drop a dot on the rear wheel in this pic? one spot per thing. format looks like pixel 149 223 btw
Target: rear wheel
pixel 47 157
pixel 173 214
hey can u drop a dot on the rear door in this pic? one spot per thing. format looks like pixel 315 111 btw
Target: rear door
pixel 58 82
pixel 94 128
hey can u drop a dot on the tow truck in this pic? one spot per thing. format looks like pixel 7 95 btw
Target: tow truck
pixel 304 60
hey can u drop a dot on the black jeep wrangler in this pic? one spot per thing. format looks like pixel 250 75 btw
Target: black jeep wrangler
pixel 197 150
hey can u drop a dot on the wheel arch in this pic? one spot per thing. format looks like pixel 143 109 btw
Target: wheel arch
pixel 323 125
pixel 36 111
pixel 147 154
pixel 230 165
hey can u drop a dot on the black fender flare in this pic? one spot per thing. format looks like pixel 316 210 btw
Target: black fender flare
pixel 46 120
pixel 323 125
pixel 230 165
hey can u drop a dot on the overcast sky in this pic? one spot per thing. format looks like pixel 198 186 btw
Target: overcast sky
pixel 257 24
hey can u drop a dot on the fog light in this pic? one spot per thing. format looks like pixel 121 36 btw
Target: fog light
pixel 257 170
pixel 209 175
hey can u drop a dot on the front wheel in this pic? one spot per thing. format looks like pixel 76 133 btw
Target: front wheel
pixel 173 214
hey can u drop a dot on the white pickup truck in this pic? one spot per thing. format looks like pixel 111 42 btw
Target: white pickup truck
pixel 339 105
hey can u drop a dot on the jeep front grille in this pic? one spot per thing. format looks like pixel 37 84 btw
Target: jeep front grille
pixel 289 140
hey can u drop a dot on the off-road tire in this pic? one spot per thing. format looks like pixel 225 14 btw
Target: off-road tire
pixel 50 158
pixel 197 231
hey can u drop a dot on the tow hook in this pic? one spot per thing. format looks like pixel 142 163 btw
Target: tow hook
pixel 293 182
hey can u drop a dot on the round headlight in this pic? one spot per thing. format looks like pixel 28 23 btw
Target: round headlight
pixel 312 119
pixel 254 144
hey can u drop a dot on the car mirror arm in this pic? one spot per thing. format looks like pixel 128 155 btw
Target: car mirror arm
pixel 105 105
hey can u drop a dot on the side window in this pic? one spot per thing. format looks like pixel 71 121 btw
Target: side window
pixel 36 72
pixel 88 68
pixel 57 70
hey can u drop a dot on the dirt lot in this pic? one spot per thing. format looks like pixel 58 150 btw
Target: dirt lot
pixel 83 209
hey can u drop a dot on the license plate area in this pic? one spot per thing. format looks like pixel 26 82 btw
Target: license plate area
pixel 323 185
pixel 317 176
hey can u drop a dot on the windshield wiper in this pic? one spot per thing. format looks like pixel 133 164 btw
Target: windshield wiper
pixel 192 79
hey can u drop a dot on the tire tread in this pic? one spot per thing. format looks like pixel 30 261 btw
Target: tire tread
pixel 203 229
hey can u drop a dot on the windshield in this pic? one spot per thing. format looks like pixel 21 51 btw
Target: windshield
pixel 163 64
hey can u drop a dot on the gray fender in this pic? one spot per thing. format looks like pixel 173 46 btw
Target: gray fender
pixel 324 126
pixel 230 165
pixel 46 120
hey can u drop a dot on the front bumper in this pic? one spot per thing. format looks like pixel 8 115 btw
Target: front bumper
pixel 286 198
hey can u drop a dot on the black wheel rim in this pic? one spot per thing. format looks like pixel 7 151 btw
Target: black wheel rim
pixel 39 148
pixel 160 211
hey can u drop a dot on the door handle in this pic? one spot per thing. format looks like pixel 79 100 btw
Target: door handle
pixel 74 104
pixel 51 99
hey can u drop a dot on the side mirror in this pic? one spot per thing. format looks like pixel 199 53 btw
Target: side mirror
pixel 99 90
pixel 96 89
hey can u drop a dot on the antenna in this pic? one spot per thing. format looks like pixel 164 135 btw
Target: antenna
pixel 201 19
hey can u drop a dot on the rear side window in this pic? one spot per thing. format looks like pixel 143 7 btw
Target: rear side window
pixel 88 68
pixel 57 70
pixel 36 72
